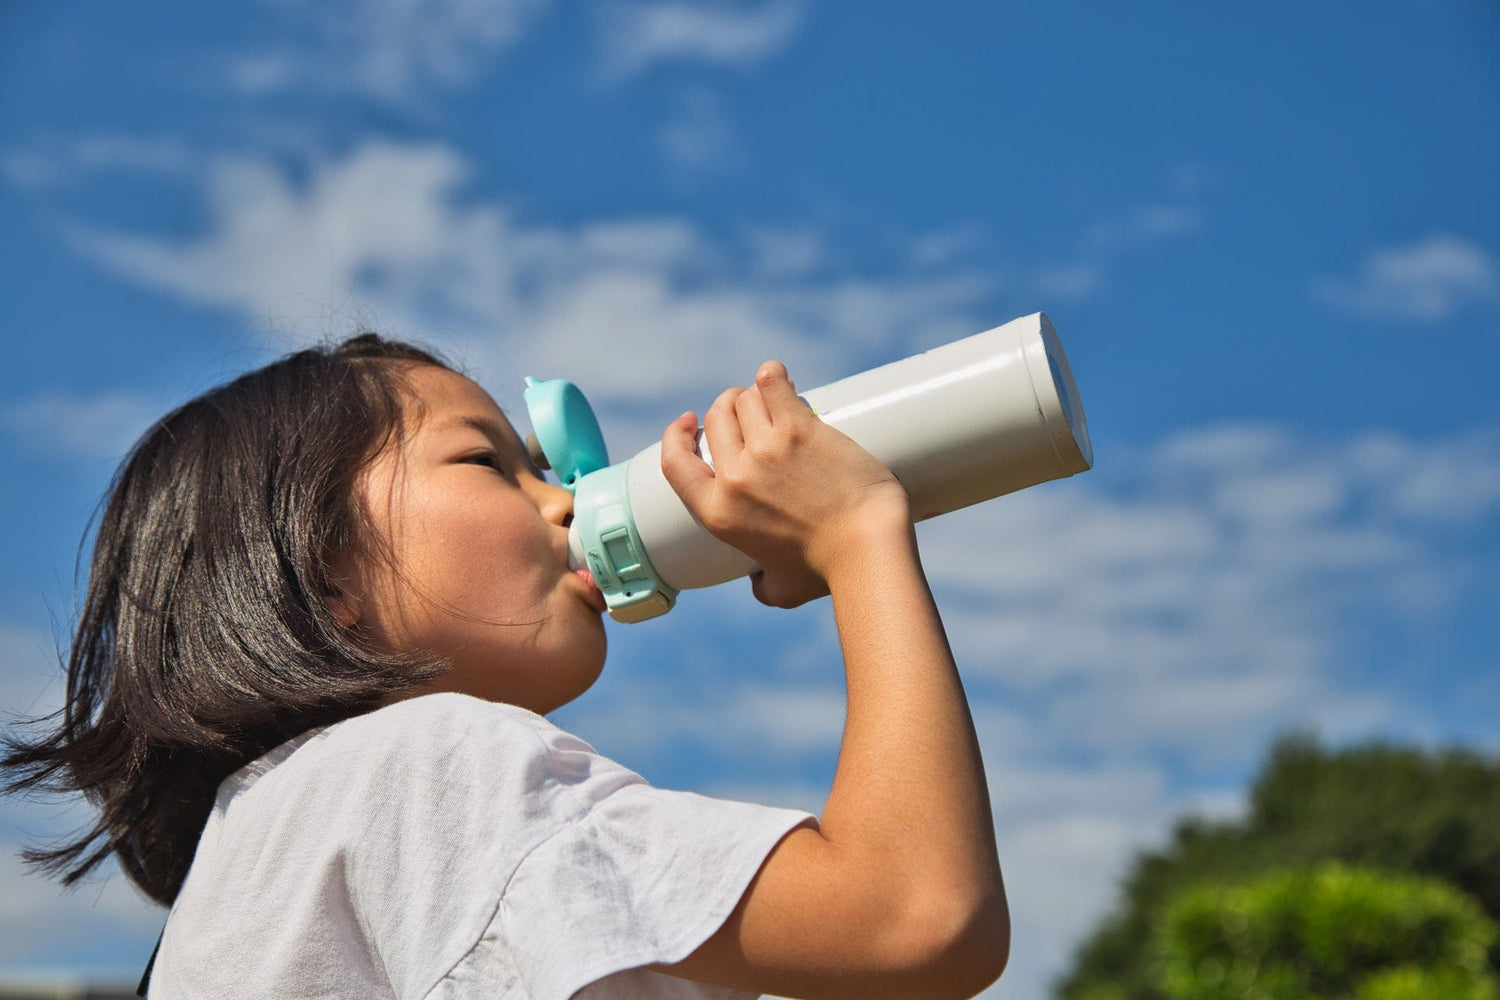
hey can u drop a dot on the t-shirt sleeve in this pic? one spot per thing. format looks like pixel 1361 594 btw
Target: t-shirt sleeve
pixel 645 875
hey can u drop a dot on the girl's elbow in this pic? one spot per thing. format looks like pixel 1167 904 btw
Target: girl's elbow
pixel 958 946
pixel 980 950
pixel 984 948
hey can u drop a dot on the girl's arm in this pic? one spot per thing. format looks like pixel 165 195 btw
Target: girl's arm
pixel 898 893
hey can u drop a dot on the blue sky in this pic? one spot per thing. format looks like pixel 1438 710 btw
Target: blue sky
pixel 1268 236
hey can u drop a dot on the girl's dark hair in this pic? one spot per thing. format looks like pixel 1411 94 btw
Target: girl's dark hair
pixel 206 636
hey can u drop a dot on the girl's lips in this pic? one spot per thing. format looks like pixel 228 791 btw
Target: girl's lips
pixel 595 596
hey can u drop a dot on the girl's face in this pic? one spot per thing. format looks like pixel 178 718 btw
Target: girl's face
pixel 478 545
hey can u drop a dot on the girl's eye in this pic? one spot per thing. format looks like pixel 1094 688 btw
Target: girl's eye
pixel 486 458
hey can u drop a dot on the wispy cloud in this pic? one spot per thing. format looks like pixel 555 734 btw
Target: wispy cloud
pixel 32 909
pixel 394 51
pixel 386 233
pixel 699 135
pixel 781 251
pixel 86 425
pixel 1177 215
pixel 30 674
pixel 635 35
pixel 1203 607
pixel 1429 281
pixel 32 912
pixel 59 162
pixel 1144 224
pixel 1070 281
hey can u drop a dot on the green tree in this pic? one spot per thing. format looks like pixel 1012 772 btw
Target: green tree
pixel 1332 932
pixel 1397 809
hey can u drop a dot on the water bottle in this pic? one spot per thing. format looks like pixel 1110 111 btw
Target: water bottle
pixel 962 423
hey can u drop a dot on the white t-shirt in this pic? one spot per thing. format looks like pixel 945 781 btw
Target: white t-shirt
pixel 447 848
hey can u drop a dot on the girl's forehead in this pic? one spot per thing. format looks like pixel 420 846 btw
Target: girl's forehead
pixel 441 398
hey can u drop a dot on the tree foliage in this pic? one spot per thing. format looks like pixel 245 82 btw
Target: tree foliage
pixel 1331 932
pixel 1399 809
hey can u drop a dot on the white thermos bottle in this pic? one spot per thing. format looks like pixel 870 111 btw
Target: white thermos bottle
pixel 971 420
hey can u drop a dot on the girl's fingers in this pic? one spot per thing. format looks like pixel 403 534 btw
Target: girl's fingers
pixel 778 393
pixel 753 416
pixel 685 472
pixel 721 428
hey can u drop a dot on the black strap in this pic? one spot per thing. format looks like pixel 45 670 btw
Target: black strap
pixel 140 990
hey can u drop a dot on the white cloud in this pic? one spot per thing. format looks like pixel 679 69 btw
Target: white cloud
pixel 380 226
pixel 700 135
pixel 385 234
pixel 1202 608
pixel 31 687
pixel 1136 227
pixel 944 247
pixel 59 162
pixel 33 912
pixel 99 425
pixel 652 715
pixel 395 51
pixel 779 251
pixel 637 34
pixel 1427 281
pixel 1141 225
pixel 30 676
pixel 1070 281
pixel 1060 876
pixel 1449 483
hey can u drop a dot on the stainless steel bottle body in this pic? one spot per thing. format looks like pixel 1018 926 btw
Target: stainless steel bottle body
pixel 962 423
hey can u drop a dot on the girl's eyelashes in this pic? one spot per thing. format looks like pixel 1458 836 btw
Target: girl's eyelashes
pixel 489 459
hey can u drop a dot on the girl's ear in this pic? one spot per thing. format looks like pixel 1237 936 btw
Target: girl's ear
pixel 345 609
pixel 342 596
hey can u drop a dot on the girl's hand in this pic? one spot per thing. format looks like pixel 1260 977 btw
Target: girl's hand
pixel 788 490
pixel 896 892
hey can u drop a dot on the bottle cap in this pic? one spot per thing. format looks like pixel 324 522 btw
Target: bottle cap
pixel 564 430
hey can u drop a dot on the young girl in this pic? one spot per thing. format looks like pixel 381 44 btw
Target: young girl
pixel 328 608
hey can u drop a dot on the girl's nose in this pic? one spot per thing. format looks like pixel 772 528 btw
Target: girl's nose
pixel 554 502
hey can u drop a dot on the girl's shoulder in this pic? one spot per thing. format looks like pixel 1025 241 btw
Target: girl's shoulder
pixel 448 724
pixel 441 740
pixel 433 715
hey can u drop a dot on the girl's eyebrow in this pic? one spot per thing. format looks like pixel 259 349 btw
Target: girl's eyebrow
pixel 485 425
